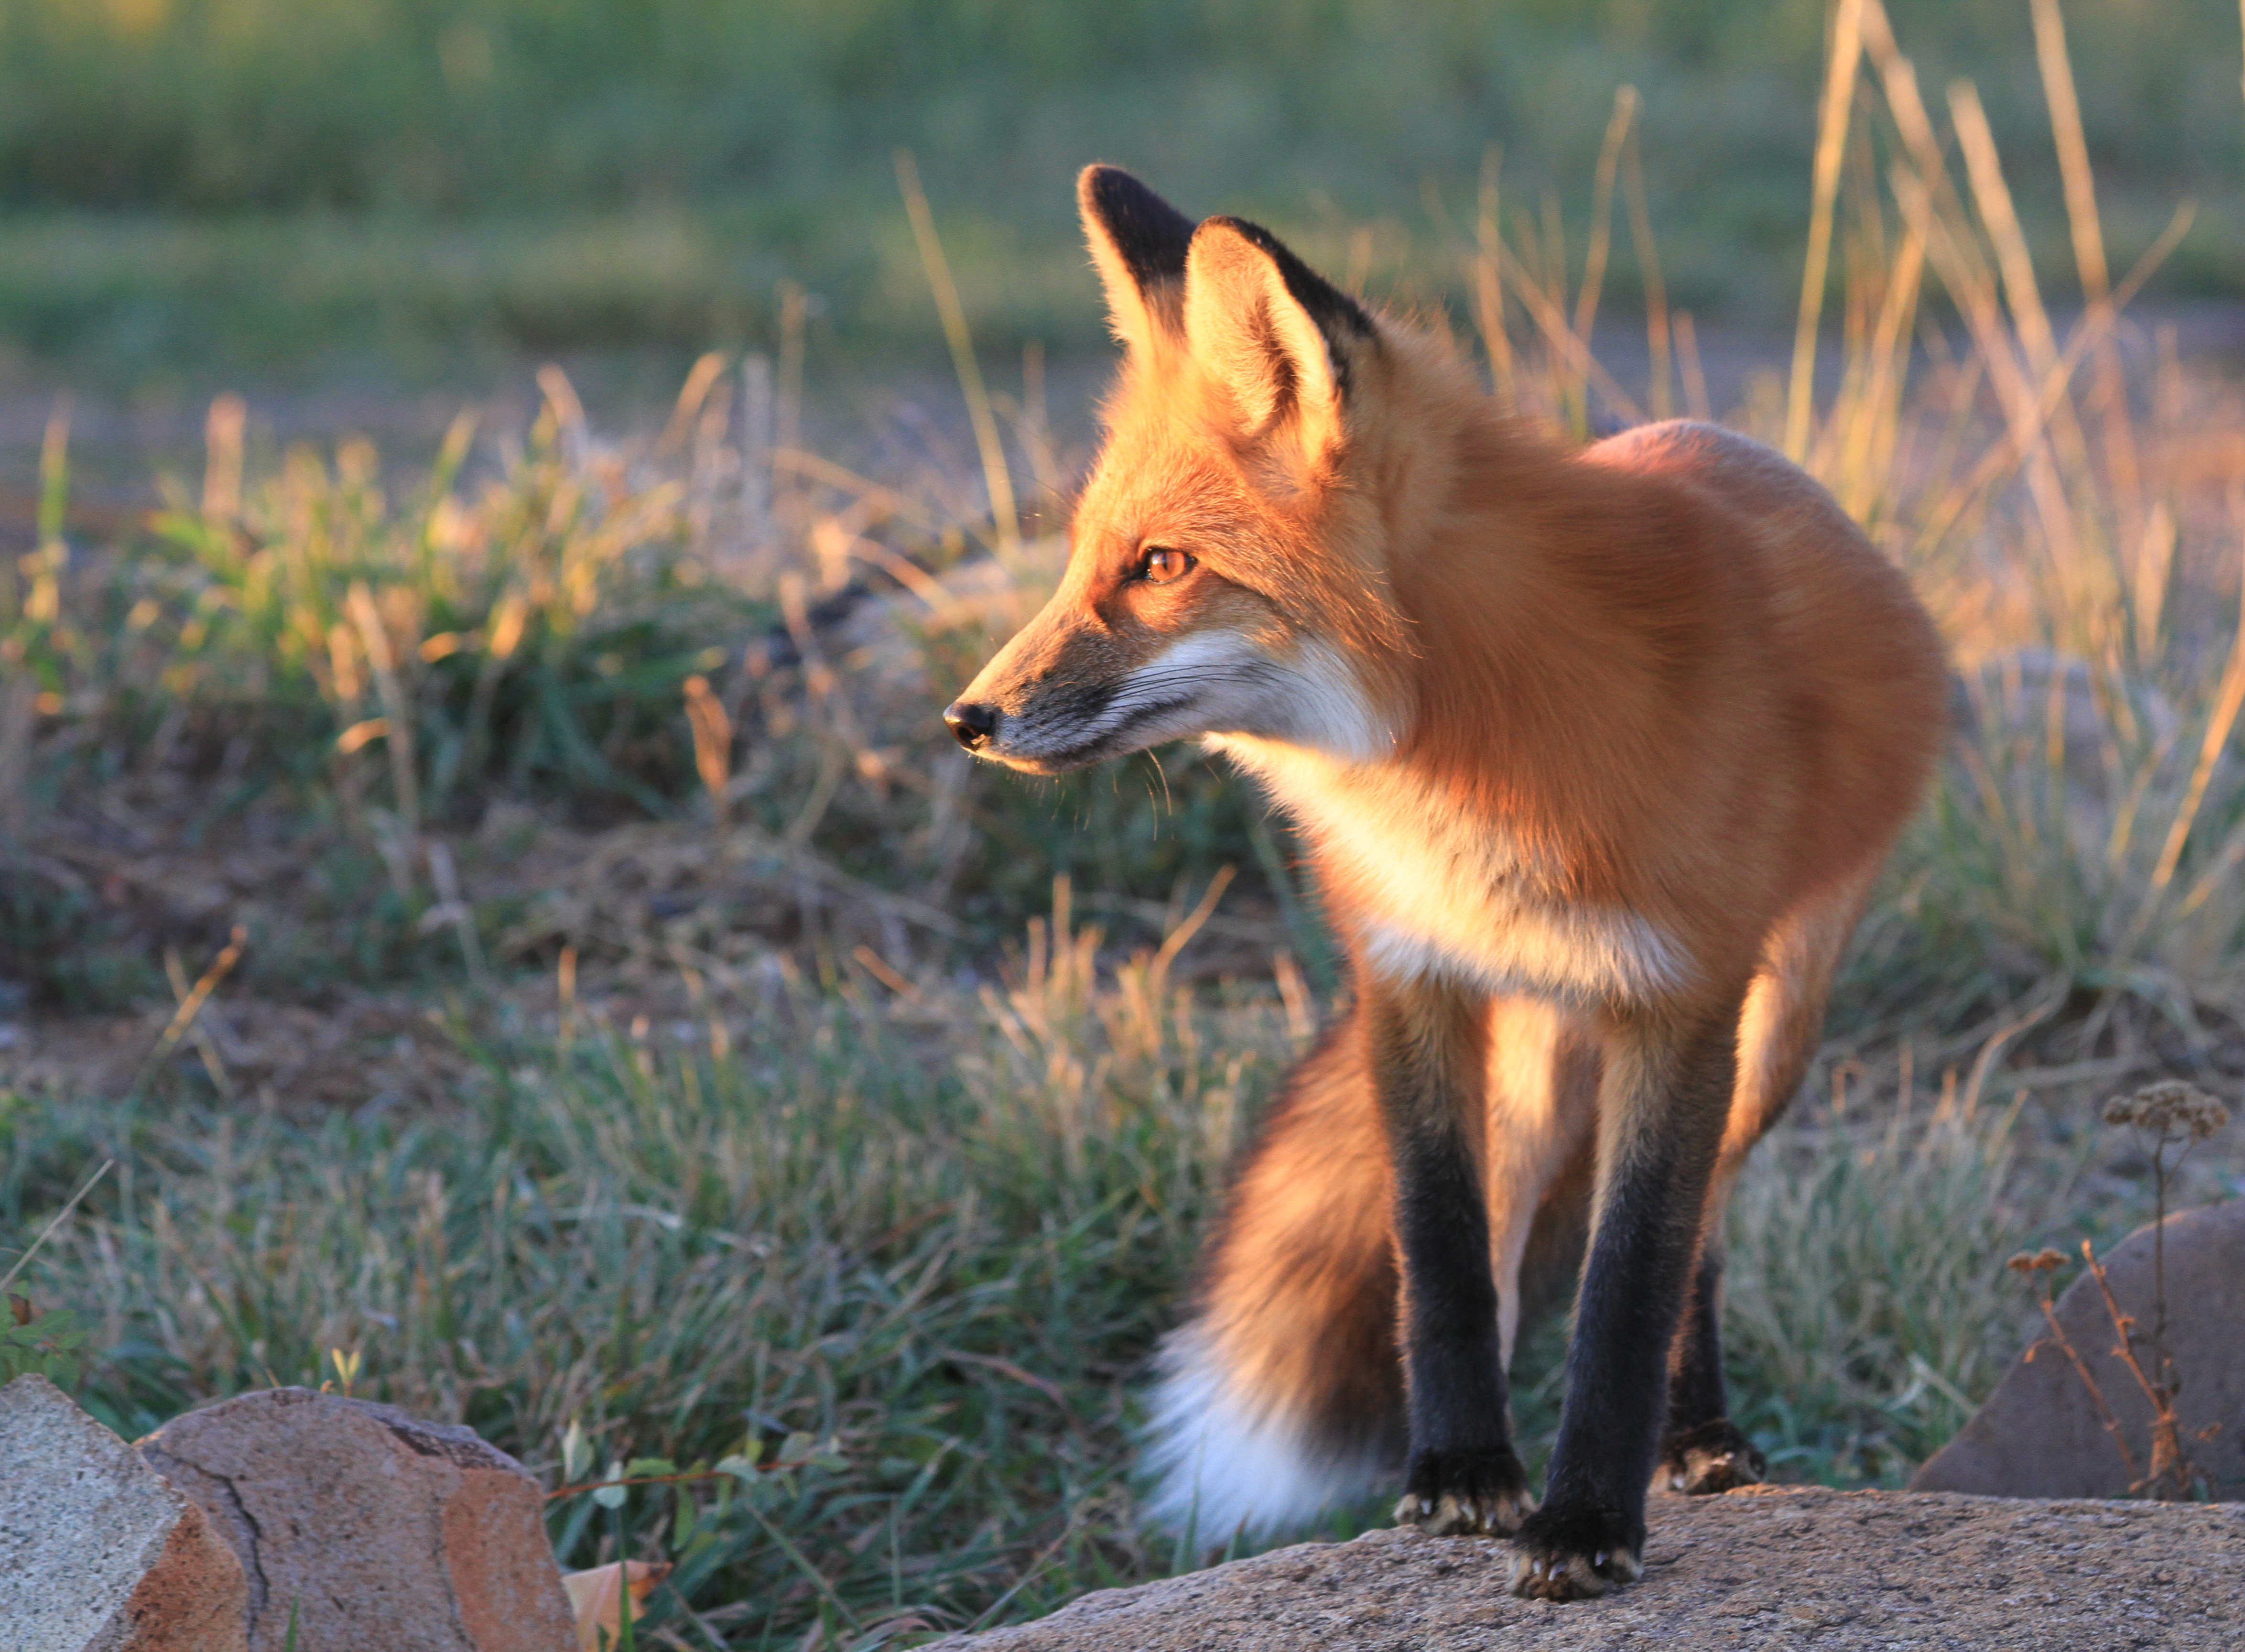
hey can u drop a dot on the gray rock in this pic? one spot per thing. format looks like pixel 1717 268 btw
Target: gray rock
pixel 97 1552
pixel 381 1531
pixel 1763 1568
pixel 2039 1434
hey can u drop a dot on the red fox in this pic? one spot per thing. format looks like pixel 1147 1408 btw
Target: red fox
pixel 1595 752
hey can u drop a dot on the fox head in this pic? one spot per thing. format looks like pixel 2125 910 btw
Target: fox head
pixel 1227 567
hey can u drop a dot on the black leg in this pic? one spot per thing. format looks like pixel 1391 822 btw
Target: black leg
pixel 1703 1450
pixel 1662 1109
pixel 1426 1058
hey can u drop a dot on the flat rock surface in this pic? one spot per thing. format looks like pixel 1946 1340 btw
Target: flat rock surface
pixel 382 1533
pixel 97 1552
pixel 1763 1568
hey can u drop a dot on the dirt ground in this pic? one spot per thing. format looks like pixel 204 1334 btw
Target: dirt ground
pixel 1764 1567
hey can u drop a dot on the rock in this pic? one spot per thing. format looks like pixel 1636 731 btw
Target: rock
pixel 1765 1567
pixel 97 1552
pixel 381 1530
pixel 2039 1434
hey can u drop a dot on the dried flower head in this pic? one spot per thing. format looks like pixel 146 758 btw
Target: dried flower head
pixel 2036 1261
pixel 2170 1104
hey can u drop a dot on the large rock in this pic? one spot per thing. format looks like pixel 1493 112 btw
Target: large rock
pixel 379 1529
pixel 2039 1434
pixel 98 1553
pixel 1763 1568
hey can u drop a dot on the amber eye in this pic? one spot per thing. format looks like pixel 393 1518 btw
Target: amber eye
pixel 1161 565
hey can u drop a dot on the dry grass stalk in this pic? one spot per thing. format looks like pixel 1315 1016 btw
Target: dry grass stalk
pixel 1831 146
pixel 2088 247
pixel 1660 396
pixel 191 1006
pixel 1618 126
pixel 1489 280
pixel 1004 517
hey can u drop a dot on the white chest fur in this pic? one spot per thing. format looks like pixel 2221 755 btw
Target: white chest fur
pixel 1441 892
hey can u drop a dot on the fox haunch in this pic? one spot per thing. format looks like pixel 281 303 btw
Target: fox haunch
pixel 1595 752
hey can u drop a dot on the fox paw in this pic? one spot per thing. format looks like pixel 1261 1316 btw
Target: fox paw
pixel 1714 1457
pixel 1572 1554
pixel 1455 1493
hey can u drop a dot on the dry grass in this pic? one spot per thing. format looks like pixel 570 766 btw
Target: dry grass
pixel 739 1135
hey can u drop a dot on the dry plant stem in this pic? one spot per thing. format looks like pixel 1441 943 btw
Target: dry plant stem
pixel 1488 281
pixel 397 732
pixel 1004 517
pixel 197 1033
pixel 2106 1419
pixel 61 1216
pixel 2088 251
pixel 2029 320
pixel 1570 356
pixel 192 1005
pixel 1594 259
pixel 1662 395
pixel 2169 1474
pixel 1831 147
pixel 687 408
pixel 2227 701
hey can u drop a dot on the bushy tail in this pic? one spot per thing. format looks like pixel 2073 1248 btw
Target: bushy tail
pixel 1283 1394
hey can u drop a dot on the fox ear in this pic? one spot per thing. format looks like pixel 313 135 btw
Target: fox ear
pixel 1264 324
pixel 1138 240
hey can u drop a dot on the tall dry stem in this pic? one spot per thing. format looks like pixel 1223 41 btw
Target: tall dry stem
pixel 2088 250
pixel 1831 146
pixel 1005 519
pixel 1489 280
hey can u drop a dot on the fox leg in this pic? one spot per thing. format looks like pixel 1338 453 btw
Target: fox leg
pixel 1702 1450
pixel 1665 1095
pixel 1542 1100
pixel 1426 1040
pixel 1779 1030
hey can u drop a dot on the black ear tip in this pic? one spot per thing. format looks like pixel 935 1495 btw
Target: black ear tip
pixel 1150 234
pixel 1095 181
pixel 1113 193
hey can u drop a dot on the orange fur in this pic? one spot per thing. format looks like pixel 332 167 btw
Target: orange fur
pixel 1611 736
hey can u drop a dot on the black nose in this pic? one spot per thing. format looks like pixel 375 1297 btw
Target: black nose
pixel 971 725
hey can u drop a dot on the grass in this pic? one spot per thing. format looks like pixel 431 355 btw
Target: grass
pixel 918 1261
pixel 767 1104
pixel 243 187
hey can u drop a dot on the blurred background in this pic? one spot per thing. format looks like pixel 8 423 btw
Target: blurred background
pixel 410 191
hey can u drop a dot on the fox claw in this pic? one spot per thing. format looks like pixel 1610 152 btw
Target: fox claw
pixel 1456 1494
pixel 1564 1556
pixel 1714 1457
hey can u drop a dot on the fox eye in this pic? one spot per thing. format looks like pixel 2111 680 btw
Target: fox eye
pixel 1160 565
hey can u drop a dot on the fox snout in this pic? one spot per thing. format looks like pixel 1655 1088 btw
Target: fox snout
pixel 970 723
pixel 1053 701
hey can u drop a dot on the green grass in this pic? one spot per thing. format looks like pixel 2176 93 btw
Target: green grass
pixel 931 1256
pixel 920 1255
pixel 388 184
pixel 856 1158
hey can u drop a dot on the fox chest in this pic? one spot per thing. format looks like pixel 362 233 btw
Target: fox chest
pixel 1429 889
